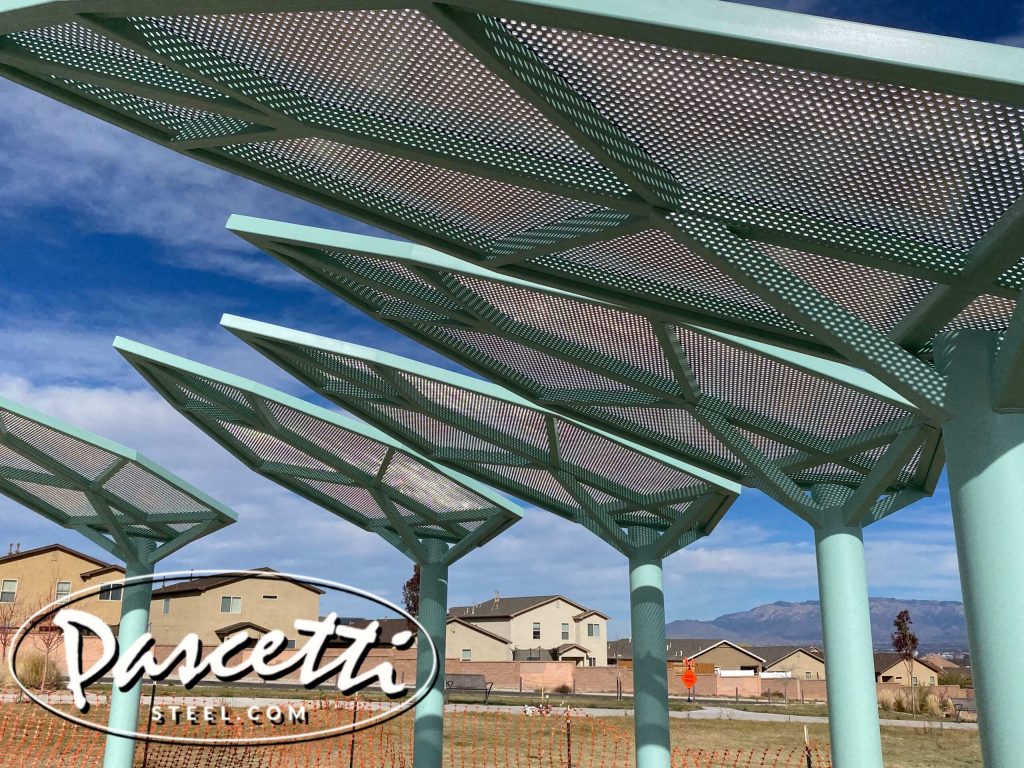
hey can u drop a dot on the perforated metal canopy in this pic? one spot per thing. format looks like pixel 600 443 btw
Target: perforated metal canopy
pixel 347 467
pixel 833 187
pixel 622 492
pixel 767 416
pixel 118 499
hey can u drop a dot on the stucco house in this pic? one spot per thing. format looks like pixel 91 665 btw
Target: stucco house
pixel 890 668
pixel 215 607
pixel 707 656
pixel 33 578
pixel 540 628
pixel 803 662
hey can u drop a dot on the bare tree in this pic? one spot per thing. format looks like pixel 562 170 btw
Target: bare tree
pixel 904 642
pixel 11 616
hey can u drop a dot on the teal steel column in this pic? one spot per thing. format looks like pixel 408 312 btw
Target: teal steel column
pixel 985 466
pixel 846 629
pixel 650 667
pixel 428 738
pixel 124 705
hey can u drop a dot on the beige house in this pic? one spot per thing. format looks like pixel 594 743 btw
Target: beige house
pixel 34 578
pixel 541 628
pixel 805 663
pixel 706 656
pixel 890 668
pixel 215 607
pixel 469 642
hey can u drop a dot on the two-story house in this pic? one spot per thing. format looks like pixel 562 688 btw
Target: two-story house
pixel 215 607
pixel 539 628
pixel 34 578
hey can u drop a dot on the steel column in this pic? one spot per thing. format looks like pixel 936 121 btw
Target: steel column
pixel 124 705
pixel 985 464
pixel 428 738
pixel 846 630
pixel 650 667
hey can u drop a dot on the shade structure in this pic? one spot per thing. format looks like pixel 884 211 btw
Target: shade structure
pixel 587 476
pixel 838 189
pixel 431 514
pixel 119 500
pixel 646 505
pixel 743 409
pixel 835 446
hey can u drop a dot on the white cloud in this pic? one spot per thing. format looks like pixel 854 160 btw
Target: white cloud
pixel 104 179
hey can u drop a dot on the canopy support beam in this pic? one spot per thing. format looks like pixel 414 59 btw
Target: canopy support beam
pixel 846 629
pixel 985 450
pixel 650 667
pixel 428 736
pixel 124 705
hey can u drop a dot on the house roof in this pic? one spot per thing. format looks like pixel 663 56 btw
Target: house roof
pixel 565 647
pixel 678 648
pixel 476 628
pixel 55 548
pixel 204 583
pixel 590 612
pixel 539 654
pixel 772 654
pixel 507 607
pixel 112 568
pixel 939 661
pixel 887 660
pixel 388 627
pixel 238 627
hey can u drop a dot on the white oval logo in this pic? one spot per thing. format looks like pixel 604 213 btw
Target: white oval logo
pixel 194 668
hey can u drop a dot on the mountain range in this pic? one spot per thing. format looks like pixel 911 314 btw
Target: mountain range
pixel 939 624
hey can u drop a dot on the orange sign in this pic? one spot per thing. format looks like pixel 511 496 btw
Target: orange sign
pixel 689 678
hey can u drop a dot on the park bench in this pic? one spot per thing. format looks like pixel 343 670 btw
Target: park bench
pixel 467 683
pixel 964 705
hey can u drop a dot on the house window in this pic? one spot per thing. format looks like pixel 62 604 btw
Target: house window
pixel 230 604
pixel 63 590
pixel 807 675
pixel 111 592
pixel 533 654
pixel 565 631
pixel 166 606
pixel 536 630
pixel 290 645
pixel 931 680
pixel 594 630
pixel 8 590
pixel 591 662
pixel 913 680
pixel 467 654
pixel 270 597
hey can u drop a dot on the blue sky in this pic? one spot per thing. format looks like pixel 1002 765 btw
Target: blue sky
pixel 104 234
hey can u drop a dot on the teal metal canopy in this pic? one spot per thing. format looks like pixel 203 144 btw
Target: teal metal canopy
pixel 118 499
pixel 767 416
pixel 838 188
pixel 622 492
pixel 347 467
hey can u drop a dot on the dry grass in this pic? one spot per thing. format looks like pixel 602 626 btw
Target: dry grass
pixel 504 740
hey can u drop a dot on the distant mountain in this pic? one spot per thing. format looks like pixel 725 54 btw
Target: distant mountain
pixel 939 624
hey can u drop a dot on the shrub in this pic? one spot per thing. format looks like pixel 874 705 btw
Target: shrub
pixel 886 701
pixel 563 688
pixel 33 666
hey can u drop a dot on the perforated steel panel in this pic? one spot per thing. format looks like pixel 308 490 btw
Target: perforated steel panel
pixel 589 477
pixel 633 160
pixel 347 467
pixel 107 492
pixel 694 394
